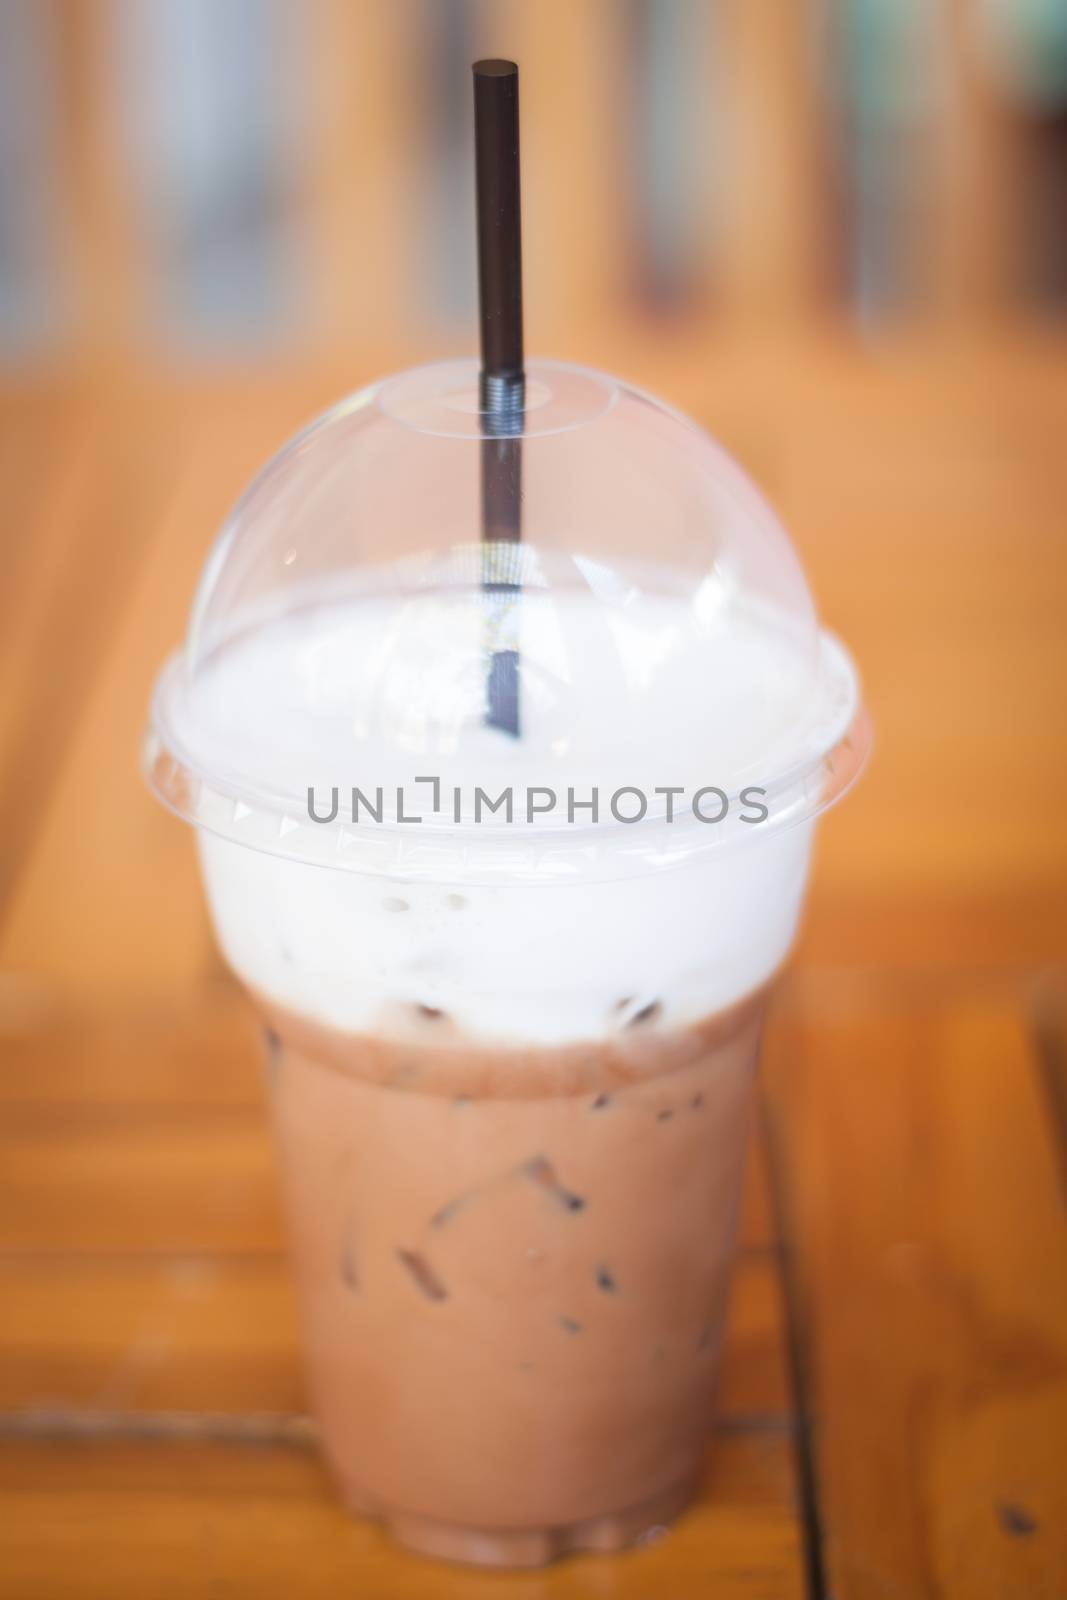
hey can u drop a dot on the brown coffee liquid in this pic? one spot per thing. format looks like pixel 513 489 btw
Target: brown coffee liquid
pixel 513 1270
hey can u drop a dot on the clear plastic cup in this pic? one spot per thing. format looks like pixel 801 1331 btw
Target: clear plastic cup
pixel 511 1042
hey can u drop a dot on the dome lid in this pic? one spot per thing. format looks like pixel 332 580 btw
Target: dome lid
pixel 652 631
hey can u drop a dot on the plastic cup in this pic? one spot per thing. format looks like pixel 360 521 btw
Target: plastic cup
pixel 511 1057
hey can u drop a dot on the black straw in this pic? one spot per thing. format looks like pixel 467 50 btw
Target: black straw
pixel 496 145
pixel 496 142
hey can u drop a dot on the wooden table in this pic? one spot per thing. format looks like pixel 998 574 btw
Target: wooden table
pixel 895 1389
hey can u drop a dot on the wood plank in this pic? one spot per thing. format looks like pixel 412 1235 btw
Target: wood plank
pixel 36 426
pixel 926 1222
pixel 1047 1004
pixel 75 915
pixel 114 1520
pixel 977 929
pixel 177 1049
pixel 77 513
pixel 214 1333
pixel 197 1333
pixel 160 1180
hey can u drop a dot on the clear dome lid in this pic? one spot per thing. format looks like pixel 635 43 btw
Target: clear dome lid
pixel 652 632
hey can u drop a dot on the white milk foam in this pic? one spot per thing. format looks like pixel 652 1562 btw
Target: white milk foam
pixel 645 692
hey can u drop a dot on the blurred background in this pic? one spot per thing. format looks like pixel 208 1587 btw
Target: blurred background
pixel 835 231
pixel 264 176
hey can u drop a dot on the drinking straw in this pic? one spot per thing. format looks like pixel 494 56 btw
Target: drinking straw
pixel 503 382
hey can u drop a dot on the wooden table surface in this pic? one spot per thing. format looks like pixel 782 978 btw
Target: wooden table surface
pixel 895 1390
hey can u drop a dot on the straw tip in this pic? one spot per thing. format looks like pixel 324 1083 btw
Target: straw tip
pixel 494 68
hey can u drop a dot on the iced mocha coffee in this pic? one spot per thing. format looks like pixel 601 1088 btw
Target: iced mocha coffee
pixel 511 1055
